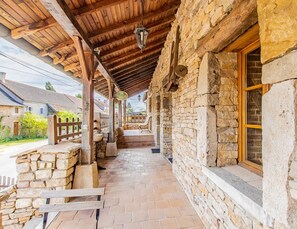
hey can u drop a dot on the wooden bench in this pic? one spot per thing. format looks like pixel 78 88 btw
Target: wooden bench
pixel 72 206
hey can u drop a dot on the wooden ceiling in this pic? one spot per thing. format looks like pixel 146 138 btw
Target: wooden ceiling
pixel 106 25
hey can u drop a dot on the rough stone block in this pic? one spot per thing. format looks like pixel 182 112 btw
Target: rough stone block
pixel 63 164
pixel 280 69
pixel 23 167
pixel 207 136
pixel 209 75
pixel 48 157
pixel 62 173
pixel 43 174
pixel 279 110
pixel 57 182
pixel 26 176
pixel 29 192
pixel 35 157
pixel 23 203
pixel 37 184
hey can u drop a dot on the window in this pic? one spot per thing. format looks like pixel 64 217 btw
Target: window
pixel 16 110
pixel 41 110
pixel 29 109
pixel 251 90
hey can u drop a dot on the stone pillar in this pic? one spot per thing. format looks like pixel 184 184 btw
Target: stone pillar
pixel 125 113
pixel 166 125
pixel 280 140
pixel 120 114
pixel 111 147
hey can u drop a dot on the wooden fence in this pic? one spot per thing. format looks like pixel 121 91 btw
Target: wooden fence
pixel 135 118
pixel 6 182
pixel 58 130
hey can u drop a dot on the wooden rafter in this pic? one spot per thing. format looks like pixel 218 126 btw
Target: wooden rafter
pixel 51 22
pixel 145 73
pixel 167 8
pixel 152 37
pixel 129 34
pixel 136 65
pixel 136 72
pixel 61 12
pixel 136 80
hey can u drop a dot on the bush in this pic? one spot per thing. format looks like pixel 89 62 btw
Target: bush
pixel 67 114
pixel 33 126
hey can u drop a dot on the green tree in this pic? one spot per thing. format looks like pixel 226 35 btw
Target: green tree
pixel 33 125
pixel 49 86
pixel 78 96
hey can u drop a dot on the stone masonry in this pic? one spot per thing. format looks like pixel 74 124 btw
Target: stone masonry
pixel 205 110
pixel 48 168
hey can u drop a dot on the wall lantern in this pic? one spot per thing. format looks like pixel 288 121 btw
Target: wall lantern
pixel 139 98
pixel 141 32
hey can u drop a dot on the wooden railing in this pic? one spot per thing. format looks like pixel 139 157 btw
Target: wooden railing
pixel 135 118
pixel 6 182
pixel 58 130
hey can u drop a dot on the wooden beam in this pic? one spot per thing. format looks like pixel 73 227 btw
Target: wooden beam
pixel 140 72
pixel 151 39
pixel 135 55
pixel 240 19
pixel 72 66
pixel 86 60
pixel 51 22
pixel 61 12
pixel 111 137
pixel 130 34
pixel 137 79
pixel 167 8
pixel 127 68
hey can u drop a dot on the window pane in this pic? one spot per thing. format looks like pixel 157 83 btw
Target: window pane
pixel 254 106
pixel 254 145
pixel 253 68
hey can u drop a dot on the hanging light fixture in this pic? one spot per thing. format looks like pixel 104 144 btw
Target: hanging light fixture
pixel 141 32
pixel 139 98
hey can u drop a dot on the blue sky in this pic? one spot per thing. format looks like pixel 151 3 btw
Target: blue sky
pixel 39 72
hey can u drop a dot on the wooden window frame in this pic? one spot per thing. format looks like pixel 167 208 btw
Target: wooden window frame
pixel 242 107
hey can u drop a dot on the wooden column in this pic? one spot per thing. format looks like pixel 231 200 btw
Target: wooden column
pixel 86 60
pixel 111 110
pixel 120 114
pixel 125 112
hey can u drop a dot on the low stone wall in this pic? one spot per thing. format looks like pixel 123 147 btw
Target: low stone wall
pixel 7 209
pixel 47 168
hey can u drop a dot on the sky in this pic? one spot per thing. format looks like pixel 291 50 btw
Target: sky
pixel 24 68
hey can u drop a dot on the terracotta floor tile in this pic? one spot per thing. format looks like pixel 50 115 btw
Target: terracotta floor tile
pixel 185 221
pixel 150 225
pixel 171 213
pixel 156 214
pixel 123 218
pixel 86 224
pixel 141 192
pixel 132 226
pixel 168 224
pixel 139 216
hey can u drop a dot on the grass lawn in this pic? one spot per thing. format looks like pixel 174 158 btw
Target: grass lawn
pixel 21 141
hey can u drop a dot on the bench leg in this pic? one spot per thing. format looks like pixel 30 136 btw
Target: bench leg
pixel 45 215
pixel 97 212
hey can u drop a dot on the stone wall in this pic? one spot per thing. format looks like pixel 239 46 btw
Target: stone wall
pixel 205 111
pixel 49 167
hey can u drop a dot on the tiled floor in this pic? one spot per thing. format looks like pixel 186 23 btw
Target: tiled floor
pixel 140 192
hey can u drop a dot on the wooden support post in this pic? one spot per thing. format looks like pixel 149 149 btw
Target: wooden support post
pixel 111 111
pixel 52 130
pixel 86 59
pixel 120 114
pixel 125 113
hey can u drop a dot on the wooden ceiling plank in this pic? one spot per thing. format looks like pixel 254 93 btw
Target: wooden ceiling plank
pixel 150 40
pixel 61 12
pixel 130 34
pixel 137 79
pixel 50 22
pixel 150 72
pixel 136 72
pixel 122 25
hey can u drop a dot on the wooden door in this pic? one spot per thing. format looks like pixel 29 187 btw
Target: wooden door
pixel 16 128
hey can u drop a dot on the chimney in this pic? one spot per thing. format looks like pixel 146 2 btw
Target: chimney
pixel 2 77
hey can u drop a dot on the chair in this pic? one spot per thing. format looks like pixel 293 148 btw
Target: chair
pixel 72 206
pixel 143 126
